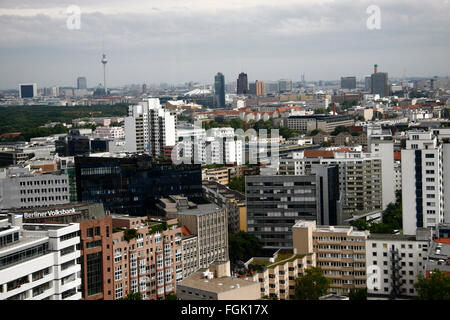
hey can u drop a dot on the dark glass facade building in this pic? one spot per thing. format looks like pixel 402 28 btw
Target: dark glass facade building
pixel 242 84
pixel 133 185
pixel 219 90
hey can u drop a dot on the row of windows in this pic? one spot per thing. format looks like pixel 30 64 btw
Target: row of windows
pixel 39 199
pixel 43 182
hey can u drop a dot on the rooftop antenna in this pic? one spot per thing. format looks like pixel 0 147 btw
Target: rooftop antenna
pixel 104 62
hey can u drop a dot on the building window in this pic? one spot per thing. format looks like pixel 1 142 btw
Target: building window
pixel 94 273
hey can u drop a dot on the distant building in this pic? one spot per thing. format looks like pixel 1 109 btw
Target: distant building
pixel 219 90
pixel 284 85
pixel 28 90
pixel 242 84
pixel 348 83
pixel 379 83
pixel 81 83
pixel 260 88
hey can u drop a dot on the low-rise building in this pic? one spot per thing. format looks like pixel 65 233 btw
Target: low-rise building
pixel 215 283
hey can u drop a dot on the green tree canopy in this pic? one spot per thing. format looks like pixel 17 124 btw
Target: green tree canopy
pixel 437 287
pixel 312 285
pixel 358 294
pixel 237 183
pixel 243 246
pixel 133 296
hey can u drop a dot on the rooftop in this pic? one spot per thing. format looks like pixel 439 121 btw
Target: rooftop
pixel 216 285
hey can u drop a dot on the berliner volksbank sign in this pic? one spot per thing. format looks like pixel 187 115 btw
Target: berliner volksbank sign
pixel 50 213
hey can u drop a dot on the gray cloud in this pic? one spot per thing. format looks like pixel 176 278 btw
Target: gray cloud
pixel 178 41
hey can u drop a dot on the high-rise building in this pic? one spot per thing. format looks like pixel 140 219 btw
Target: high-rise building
pixel 422 182
pixel 132 185
pixel 368 83
pixel 379 83
pixel 348 82
pixel 81 83
pixel 27 90
pixel 242 84
pixel 149 128
pixel 219 90
pixel 260 88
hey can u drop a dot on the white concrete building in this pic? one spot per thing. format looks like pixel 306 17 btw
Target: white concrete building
pixel 38 261
pixel 394 262
pixel 110 132
pixel 149 127
pixel 422 182
pixel 24 188
pixel 191 144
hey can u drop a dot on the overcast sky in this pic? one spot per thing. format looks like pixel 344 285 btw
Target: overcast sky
pixel 154 41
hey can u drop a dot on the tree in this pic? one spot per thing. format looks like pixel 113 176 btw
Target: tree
pixel 243 246
pixel 133 296
pixel 339 129
pixel 237 183
pixel 358 294
pixel 436 287
pixel 312 285
pixel 171 296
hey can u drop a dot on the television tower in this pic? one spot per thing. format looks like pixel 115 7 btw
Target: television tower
pixel 104 62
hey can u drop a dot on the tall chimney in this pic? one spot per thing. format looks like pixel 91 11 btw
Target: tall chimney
pixel 375 68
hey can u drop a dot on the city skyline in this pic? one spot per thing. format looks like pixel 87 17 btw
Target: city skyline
pixel 176 42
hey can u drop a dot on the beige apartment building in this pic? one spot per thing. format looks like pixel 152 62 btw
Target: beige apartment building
pixel 277 277
pixel 147 256
pixel 340 252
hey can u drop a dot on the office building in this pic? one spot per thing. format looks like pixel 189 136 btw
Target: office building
pixel 150 261
pixel 38 261
pixel 348 83
pixel 191 145
pixel 81 83
pixel 422 182
pixel 25 188
pixel 275 203
pixel 149 128
pixel 271 87
pixel 207 221
pixel 27 90
pixel 242 84
pixel 339 250
pixel 394 261
pixel 95 243
pixel 324 123
pixel 215 283
pixel 132 185
pixel 379 83
pixel 219 90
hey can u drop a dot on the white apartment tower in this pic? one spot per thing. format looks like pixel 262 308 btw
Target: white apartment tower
pixel 149 127
pixel 422 182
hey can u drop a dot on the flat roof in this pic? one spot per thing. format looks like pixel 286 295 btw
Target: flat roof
pixel 201 209
pixel 392 237
pixel 216 285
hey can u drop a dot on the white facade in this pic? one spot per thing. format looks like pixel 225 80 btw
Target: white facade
pixel 40 263
pixel 149 127
pixel 110 132
pixel 422 182
pixel 191 145
pixel 412 255
pixel 22 188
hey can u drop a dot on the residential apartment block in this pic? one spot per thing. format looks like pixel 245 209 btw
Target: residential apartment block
pixel 147 256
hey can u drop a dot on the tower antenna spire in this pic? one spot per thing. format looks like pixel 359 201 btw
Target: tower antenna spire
pixel 104 62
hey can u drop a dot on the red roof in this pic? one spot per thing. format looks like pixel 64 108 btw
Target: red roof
pixel 318 153
pixel 443 240
pixel 397 156
pixel 185 231
pixel 10 134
